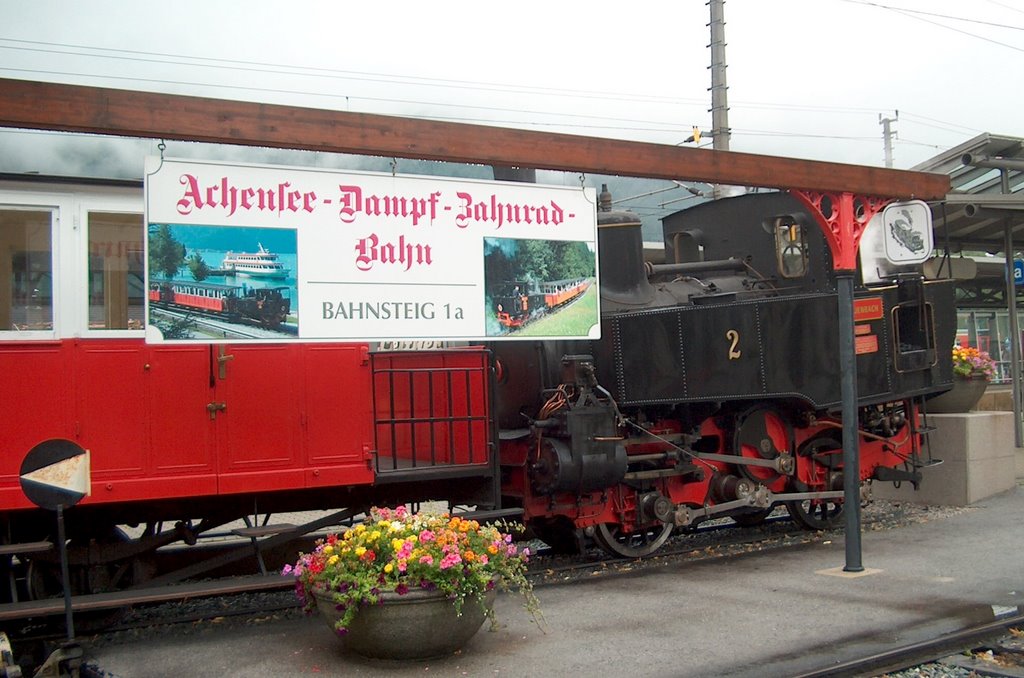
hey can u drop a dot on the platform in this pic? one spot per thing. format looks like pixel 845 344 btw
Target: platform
pixel 763 614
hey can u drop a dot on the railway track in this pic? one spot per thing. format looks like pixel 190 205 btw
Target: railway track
pixel 214 325
pixel 716 539
pixel 993 648
pixel 545 570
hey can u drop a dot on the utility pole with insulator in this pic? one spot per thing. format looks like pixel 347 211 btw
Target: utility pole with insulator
pixel 887 135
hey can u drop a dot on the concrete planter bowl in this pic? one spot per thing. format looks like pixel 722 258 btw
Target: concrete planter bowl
pixel 964 395
pixel 418 625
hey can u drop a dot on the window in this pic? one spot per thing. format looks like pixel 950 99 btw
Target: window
pixel 116 273
pixel 26 270
pixel 790 247
pixel 915 336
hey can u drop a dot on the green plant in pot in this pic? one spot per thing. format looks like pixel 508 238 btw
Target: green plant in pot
pixel 971 363
pixel 375 581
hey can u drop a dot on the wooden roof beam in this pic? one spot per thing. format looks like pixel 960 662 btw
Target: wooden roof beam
pixel 93 110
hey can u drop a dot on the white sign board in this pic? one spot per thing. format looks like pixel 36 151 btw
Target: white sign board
pixel 238 253
pixel 907 232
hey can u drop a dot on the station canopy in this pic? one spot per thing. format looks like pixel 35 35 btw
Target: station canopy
pixel 973 217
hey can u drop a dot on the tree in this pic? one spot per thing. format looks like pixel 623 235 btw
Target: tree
pixel 166 254
pixel 199 269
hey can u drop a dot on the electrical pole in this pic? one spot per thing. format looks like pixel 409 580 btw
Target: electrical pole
pixel 887 135
pixel 719 97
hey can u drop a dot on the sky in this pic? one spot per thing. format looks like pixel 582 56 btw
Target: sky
pixel 806 78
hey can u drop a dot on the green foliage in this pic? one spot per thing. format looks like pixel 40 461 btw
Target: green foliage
pixel 546 260
pixel 197 267
pixel 166 254
pixel 175 328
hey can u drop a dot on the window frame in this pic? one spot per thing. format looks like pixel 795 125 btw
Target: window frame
pixel 105 205
pixel 69 206
pixel 780 245
pixel 56 205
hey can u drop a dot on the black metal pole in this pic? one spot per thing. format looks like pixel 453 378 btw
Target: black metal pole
pixel 62 543
pixel 851 451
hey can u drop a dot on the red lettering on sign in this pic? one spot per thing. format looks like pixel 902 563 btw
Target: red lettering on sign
pixel 868 309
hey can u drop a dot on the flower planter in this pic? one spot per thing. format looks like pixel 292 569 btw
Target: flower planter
pixel 418 625
pixel 964 395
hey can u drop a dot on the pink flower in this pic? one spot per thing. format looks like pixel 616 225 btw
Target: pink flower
pixel 427 559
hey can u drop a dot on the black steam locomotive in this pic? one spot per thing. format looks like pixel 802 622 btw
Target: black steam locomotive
pixel 714 390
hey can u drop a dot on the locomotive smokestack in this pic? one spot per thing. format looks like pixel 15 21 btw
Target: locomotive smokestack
pixel 623 278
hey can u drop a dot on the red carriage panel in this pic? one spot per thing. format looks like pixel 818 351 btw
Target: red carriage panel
pixel 36 407
pixel 258 426
pixel 338 424
pixel 204 302
pixel 110 411
pixel 181 438
pixel 432 409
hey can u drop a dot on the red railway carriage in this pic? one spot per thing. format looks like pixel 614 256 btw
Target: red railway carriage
pixel 199 296
pixel 561 292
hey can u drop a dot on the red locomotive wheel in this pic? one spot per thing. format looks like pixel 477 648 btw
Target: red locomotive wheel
pixel 817 514
pixel 762 433
pixel 637 544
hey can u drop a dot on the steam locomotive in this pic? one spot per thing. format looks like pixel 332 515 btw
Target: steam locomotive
pixel 712 392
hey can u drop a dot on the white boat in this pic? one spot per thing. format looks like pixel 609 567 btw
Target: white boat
pixel 261 264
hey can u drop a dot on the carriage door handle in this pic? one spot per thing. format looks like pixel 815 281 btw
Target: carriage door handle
pixel 214 408
pixel 222 362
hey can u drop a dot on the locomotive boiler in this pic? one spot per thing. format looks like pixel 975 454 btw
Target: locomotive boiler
pixel 714 389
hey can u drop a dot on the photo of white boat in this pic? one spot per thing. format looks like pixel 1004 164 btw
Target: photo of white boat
pixel 260 264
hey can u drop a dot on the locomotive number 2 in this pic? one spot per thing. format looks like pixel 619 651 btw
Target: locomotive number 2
pixel 734 337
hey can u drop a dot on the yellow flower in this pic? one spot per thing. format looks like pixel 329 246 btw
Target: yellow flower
pixel 396 544
pixel 332 560
pixel 360 528
pixel 360 550
pixel 388 568
pixel 374 536
pixel 328 549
